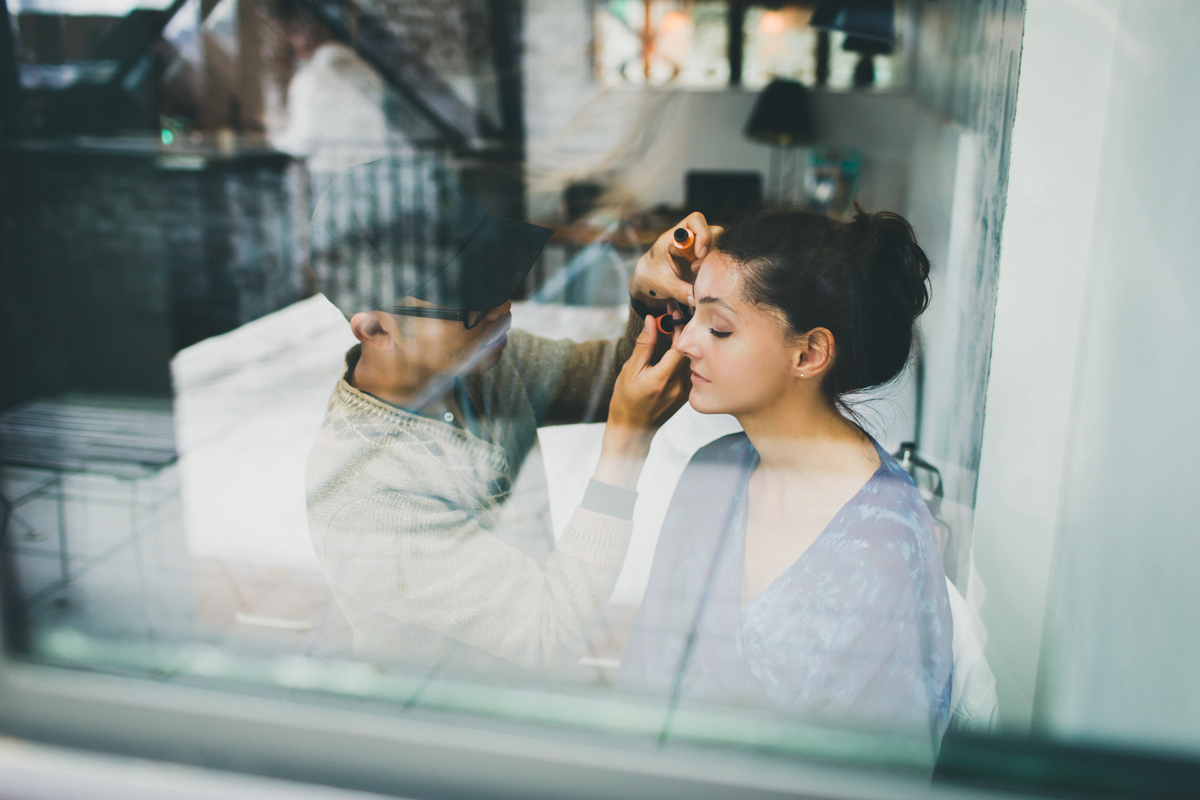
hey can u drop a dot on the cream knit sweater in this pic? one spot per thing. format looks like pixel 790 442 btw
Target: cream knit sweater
pixel 401 510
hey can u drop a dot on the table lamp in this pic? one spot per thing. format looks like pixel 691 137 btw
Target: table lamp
pixel 870 28
pixel 783 118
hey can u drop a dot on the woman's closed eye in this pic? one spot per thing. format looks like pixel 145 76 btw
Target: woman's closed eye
pixel 720 334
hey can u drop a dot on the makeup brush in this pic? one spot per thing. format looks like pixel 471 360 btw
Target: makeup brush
pixel 684 241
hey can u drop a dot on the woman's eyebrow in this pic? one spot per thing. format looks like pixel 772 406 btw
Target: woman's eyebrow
pixel 716 300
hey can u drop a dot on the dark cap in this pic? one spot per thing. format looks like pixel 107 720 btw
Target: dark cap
pixel 404 227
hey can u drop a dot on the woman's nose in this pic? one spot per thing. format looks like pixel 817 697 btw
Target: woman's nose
pixel 683 343
pixel 500 310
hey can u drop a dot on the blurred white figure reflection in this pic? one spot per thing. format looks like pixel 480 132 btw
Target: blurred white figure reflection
pixel 336 104
pixel 798 567
pixel 436 413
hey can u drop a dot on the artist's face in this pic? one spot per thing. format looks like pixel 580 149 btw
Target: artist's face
pixel 741 362
pixel 442 346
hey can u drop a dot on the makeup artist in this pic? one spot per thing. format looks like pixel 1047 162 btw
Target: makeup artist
pixel 438 408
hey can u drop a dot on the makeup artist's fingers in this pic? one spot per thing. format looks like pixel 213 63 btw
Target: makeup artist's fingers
pixel 705 234
pixel 676 382
pixel 667 270
pixel 645 395
pixel 658 276
pixel 672 357
pixel 683 369
pixel 677 315
pixel 672 360
pixel 643 346
pixel 695 254
pixel 714 231
pixel 663 388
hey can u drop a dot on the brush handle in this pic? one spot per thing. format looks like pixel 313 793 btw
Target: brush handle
pixel 684 242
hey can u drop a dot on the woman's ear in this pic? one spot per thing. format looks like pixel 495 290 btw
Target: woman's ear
pixel 814 356
pixel 372 329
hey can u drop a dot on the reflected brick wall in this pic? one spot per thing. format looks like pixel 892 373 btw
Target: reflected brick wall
pixel 112 261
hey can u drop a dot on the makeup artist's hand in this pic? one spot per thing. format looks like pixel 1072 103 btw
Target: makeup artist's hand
pixel 645 396
pixel 664 271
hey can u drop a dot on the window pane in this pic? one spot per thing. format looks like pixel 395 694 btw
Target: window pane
pixel 687 43
pixel 230 464
pixel 802 519
pixel 779 44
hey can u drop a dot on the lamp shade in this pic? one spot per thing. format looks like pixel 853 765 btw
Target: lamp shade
pixel 870 47
pixel 864 19
pixel 782 115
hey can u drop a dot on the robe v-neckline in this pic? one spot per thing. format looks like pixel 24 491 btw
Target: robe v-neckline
pixel 742 516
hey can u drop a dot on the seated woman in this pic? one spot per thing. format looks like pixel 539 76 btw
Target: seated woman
pixel 797 567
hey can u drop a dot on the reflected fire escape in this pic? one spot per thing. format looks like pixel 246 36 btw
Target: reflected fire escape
pixel 126 239
pixel 108 86
pixel 86 98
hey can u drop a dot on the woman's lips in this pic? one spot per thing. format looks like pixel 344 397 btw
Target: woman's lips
pixel 697 380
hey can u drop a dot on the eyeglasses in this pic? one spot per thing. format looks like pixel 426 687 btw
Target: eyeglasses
pixel 469 319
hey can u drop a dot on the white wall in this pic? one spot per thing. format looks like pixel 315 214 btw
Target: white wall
pixel 703 130
pixel 1055 165
pixel 1085 534
pixel 649 138
pixel 1121 653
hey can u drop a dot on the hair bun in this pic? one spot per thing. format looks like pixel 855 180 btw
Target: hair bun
pixel 865 281
pixel 861 221
pixel 893 256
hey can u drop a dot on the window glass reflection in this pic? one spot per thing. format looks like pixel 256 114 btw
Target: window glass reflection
pixel 383 356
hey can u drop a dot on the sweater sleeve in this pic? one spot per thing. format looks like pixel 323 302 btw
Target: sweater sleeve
pixel 584 387
pixel 453 577
pixel 569 382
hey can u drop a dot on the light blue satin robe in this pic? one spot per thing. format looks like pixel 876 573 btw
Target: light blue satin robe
pixel 856 630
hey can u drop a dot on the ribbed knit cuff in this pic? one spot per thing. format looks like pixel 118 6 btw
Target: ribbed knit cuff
pixel 596 538
pixel 604 498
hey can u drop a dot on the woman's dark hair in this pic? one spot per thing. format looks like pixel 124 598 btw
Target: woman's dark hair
pixel 866 281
